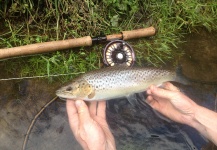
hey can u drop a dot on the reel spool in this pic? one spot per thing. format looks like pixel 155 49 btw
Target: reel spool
pixel 118 52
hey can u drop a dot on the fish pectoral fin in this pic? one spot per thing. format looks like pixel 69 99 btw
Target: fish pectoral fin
pixel 132 99
pixel 91 95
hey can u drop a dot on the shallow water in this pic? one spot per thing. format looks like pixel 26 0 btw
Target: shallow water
pixel 141 128
pixel 134 127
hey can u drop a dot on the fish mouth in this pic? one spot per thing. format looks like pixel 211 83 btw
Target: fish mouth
pixel 64 99
pixel 63 95
pixel 59 94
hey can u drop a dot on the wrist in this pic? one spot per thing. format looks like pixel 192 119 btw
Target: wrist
pixel 193 122
pixel 205 122
pixel 191 119
pixel 188 113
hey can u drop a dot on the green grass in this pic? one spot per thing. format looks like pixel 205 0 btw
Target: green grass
pixel 26 22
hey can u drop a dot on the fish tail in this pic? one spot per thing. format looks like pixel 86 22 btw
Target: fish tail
pixel 180 77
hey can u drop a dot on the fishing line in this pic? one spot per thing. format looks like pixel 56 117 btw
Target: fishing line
pixel 43 76
pixel 16 57
pixel 216 102
pixel 34 120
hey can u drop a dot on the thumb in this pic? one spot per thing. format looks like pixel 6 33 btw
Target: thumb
pixel 83 111
pixel 161 93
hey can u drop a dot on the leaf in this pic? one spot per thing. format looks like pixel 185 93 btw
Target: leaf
pixel 114 20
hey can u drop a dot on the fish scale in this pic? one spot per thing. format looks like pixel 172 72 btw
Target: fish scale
pixel 114 82
pixel 120 76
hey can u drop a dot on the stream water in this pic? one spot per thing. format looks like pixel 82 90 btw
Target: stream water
pixel 134 127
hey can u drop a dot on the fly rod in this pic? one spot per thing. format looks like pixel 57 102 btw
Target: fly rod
pixel 72 43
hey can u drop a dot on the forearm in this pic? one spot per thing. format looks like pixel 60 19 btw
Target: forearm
pixel 205 121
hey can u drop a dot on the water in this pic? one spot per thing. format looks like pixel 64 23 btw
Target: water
pixel 133 127
pixel 140 128
pixel 200 61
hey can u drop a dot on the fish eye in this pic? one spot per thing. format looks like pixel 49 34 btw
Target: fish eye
pixel 69 88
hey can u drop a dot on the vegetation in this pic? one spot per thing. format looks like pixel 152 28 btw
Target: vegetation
pixel 25 22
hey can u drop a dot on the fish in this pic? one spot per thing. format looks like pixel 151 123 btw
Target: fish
pixel 114 82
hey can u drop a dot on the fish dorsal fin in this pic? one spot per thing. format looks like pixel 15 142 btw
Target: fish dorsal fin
pixel 121 66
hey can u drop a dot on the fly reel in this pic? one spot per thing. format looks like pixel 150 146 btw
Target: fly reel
pixel 118 52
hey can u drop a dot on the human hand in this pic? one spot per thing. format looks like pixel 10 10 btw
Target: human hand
pixel 178 107
pixel 90 130
pixel 170 102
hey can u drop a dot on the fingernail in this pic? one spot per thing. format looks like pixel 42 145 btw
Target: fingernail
pixel 78 103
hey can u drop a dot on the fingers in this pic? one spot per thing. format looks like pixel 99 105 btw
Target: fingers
pixel 98 109
pixel 74 121
pixel 152 102
pixel 101 109
pixel 170 86
pixel 167 85
pixel 83 111
pixel 72 115
pixel 93 108
pixel 162 93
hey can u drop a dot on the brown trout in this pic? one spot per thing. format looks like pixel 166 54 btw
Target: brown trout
pixel 114 82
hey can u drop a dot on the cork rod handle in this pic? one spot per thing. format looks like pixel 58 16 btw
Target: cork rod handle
pixel 139 33
pixel 45 47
